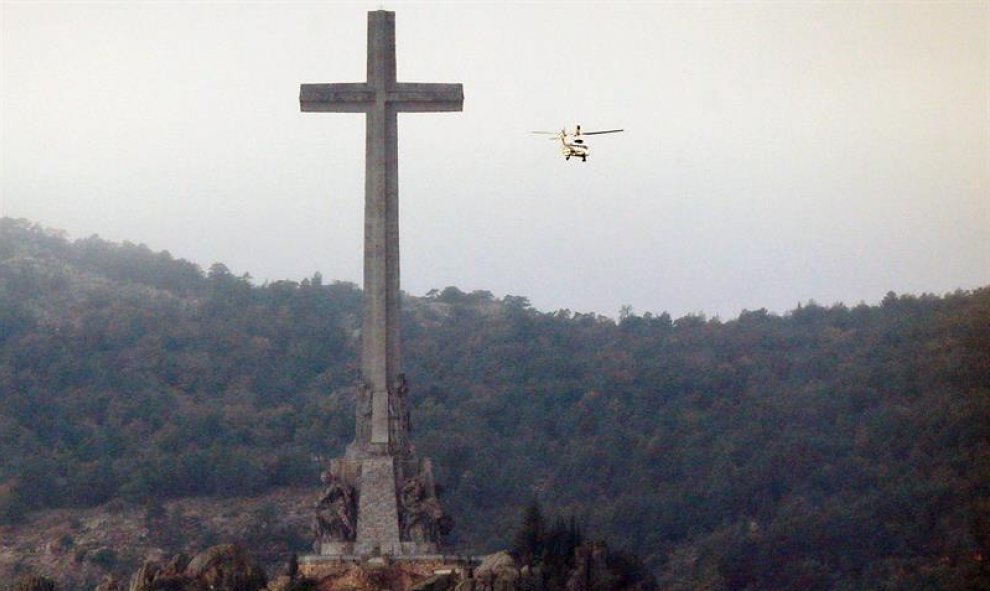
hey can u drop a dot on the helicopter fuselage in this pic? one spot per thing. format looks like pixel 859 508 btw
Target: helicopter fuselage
pixel 574 147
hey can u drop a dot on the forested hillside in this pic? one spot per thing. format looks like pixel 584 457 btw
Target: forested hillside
pixel 828 448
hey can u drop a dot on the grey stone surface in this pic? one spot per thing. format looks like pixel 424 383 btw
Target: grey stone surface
pixel 381 459
pixel 381 98
pixel 378 516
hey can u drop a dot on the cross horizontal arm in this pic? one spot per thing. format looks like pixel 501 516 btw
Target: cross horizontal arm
pixel 423 97
pixel 347 97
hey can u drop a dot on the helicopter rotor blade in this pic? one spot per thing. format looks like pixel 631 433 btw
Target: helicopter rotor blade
pixel 601 132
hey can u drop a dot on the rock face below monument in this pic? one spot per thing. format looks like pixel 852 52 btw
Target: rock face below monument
pixel 379 574
pixel 495 572
pixel 225 567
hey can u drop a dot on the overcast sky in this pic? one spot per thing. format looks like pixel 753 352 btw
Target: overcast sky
pixel 774 152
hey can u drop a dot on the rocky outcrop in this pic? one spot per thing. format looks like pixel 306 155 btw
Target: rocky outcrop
pixel 442 582
pixel 220 568
pixel 155 577
pixel 497 572
pixel 499 564
pixel 110 583
pixel 227 568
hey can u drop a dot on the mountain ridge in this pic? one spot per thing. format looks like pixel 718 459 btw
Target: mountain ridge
pixel 829 447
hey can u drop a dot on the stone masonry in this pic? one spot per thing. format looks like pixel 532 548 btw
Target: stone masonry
pixel 380 498
pixel 378 516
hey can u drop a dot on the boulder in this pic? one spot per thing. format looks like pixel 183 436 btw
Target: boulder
pixel 435 583
pixel 498 572
pixel 220 568
pixel 144 577
pixel 176 566
pixel 226 568
pixel 498 565
pixel 110 583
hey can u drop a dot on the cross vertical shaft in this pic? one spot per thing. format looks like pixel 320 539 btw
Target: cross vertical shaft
pixel 380 360
pixel 381 98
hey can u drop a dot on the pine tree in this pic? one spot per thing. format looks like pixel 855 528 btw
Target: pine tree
pixel 527 546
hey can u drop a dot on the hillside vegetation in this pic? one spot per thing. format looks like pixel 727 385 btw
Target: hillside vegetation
pixel 828 448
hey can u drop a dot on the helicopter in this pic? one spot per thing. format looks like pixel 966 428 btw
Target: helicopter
pixel 572 143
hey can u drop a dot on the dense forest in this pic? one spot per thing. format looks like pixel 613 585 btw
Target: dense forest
pixel 831 447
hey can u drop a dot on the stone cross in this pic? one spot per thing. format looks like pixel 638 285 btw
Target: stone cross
pixel 381 98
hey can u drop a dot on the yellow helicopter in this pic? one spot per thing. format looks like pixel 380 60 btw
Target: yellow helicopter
pixel 572 143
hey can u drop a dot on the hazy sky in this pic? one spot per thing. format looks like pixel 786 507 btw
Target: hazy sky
pixel 775 152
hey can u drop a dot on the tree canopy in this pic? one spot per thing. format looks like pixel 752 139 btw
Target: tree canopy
pixel 831 447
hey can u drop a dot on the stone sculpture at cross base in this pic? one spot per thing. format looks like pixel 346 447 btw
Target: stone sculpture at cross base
pixel 335 512
pixel 379 499
pixel 379 503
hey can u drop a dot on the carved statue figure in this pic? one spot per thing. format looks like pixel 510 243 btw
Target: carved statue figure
pixel 401 385
pixel 335 511
pixel 398 412
pixel 421 517
pixel 362 410
pixel 402 390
